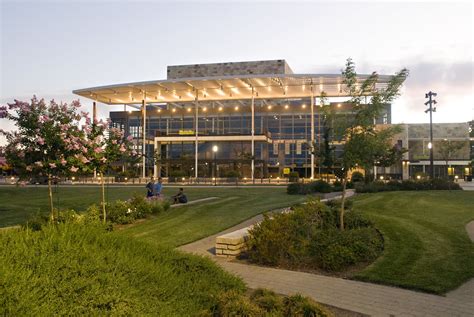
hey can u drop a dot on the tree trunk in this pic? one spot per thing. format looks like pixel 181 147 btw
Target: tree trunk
pixel 50 193
pixel 343 200
pixel 103 198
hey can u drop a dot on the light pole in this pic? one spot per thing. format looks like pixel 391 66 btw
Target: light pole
pixel 431 109
pixel 214 150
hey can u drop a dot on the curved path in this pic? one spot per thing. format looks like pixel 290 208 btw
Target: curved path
pixel 365 298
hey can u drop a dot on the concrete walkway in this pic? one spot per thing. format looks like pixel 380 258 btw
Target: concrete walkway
pixel 466 185
pixel 365 298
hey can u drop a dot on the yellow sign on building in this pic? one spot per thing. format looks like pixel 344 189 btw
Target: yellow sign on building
pixel 186 132
pixel 286 171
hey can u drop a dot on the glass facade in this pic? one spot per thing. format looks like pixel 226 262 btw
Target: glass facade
pixel 286 124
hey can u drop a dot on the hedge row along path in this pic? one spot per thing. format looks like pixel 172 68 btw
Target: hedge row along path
pixel 361 297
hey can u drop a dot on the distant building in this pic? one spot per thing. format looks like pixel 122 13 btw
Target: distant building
pixel 415 138
pixel 260 117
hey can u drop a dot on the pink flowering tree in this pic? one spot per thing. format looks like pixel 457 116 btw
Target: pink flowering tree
pixel 105 146
pixel 46 140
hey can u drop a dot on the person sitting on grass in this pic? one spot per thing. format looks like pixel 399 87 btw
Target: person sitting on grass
pixel 180 197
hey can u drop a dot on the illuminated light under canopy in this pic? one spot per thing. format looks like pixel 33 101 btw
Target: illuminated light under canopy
pixel 220 108
pixel 303 106
pixel 173 110
pixel 236 108
pixel 222 87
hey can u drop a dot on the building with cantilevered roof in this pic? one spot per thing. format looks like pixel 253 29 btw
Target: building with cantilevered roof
pixel 257 119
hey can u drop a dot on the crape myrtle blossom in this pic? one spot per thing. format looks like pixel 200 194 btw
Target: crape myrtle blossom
pixel 105 145
pixel 50 141
pixel 45 137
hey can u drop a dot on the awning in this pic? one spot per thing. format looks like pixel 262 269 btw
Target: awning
pixel 223 88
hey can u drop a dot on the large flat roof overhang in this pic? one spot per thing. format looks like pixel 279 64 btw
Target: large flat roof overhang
pixel 222 88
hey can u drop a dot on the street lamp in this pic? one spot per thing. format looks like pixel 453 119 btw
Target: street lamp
pixel 430 103
pixel 214 177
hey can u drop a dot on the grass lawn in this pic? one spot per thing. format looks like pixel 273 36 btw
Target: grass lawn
pixel 426 244
pixel 187 224
pixel 85 271
pixel 17 204
pixel 175 227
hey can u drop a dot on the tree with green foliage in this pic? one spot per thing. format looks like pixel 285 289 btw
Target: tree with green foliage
pixel 363 143
pixel 447 149
pixel 324 150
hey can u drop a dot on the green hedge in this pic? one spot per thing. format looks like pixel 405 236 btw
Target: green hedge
pixel 434 184
pixel 309 237
pixel 72 269
pixel 314 187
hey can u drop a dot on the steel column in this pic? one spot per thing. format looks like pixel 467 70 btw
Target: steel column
pixel 253 135
pixel 144 136
pixel 196 123
pixel 319 137
pixel 94 120
pixel 312 134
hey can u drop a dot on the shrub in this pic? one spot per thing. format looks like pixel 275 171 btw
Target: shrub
pixel 435 184
pixel 69 216
pixel 337 250
pixel 234 303
pixel 156 207
pixel 232 174
pixel 293 177
pixel 36 221
pixel 120 212
pixel 320 186
pixel 267 300
pixel 298 305
pixel 357 177
pixel 309 237
pixel 140 206
pixel 93 214
pixel 263 302
pixel 295 189
pixel 166 205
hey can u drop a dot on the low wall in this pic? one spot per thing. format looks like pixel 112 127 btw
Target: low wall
pixel 232 244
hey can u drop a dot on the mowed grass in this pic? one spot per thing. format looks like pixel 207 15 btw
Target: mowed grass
pixel 186 224
pixel 426 245
pixel 83 270
pixel 172 228
pixel 17 204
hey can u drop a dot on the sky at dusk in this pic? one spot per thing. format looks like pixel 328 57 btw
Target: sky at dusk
pixel 52 48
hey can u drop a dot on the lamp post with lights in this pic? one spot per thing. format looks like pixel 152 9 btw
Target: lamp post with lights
pixel 215 148
pixel 430 103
